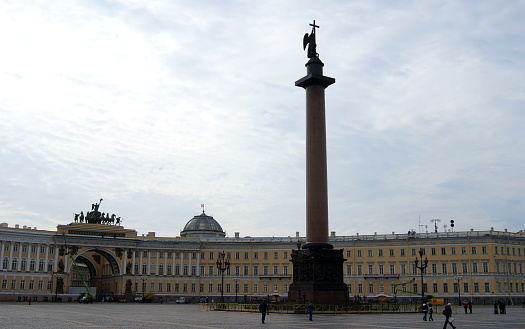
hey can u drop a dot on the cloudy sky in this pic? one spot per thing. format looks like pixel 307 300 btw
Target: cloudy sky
pixel 160 106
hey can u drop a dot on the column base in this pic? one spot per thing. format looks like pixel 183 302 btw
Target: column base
pixel 318 277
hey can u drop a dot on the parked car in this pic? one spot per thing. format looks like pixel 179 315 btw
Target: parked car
pixel 181 300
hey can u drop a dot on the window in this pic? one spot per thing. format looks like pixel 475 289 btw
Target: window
pixel 456 287
pixel 473 250
pixel 285 288
pixel 360 288
pixel 194 270
pixel 50 266
pixel 265 288
pixel 184 287
pixel 391 252
pixel 370 253
pixel 265 270
pixel 454 268
pixel 275 255
pixel 444 268
pixel 32 264
pixel 443 251
pixel 474 267
pixel 153 253
pixel 22 284
pixel 381 269
pixel 152 268
pixel 285 255
pixel 413 252
pixel 348 253
pixel 255 255
pixel 193 286
pixel 348 269
pixel 255 270
pixel 370 288
pixel 359 253
pixel 463 250
pixel 49 284
pixel 246 255
pixel 370 269
pixel 33 248
pixel 51 249
pixel 465 287
pixel 5 263
pixel 464 267
pixel 14 264
pixel 4 284
pixel 484 250
pixel 445 287
pixel 160 287
pixel 487 287
pixel 161 254
pixel 237 255
pixel 15 247
pixel 434 268
pixel 41 265
pixel 433 251
pixel 40 284
pixel 6 246
pixel 246 271
pixel 13 284
pixel 476 287
pixel 265 255
pixel 434 287
pixel 211 255
pixel 185 269
pixel 23 264
pixel 392 269
pixel 404 270
pixel 453 250
pixel 349 287
pixel 177 269
pixel 245 288
pixel 402 252
pixel 24 248
pixel 380 253
pixel 210 287
pixel 210 270
pixel 255 288
pixel 359 269
pixel 145 254
pixel 285 269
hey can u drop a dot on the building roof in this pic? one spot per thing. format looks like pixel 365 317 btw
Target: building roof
pixel 202 226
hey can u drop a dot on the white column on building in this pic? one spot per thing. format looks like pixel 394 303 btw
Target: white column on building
pixel 157 263
pixel 125 257
pixel 2 245
pixel 19 264
pixel 148 266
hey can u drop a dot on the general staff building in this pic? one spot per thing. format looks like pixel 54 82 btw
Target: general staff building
pixel 482 266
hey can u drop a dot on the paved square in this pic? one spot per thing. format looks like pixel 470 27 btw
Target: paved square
pixel 113 315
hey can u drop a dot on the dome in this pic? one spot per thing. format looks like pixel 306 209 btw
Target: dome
pixel 202 226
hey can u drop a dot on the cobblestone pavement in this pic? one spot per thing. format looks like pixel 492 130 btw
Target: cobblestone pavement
pixel 106 315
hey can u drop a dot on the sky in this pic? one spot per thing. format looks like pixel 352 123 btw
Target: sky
pixel 160 106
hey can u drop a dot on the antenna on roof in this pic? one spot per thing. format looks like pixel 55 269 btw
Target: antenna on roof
pixel 202 206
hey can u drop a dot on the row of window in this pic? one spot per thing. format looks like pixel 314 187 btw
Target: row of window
pixel 433 251
pixel 31 285
pixel 211 254
pixel 212 270
pixel 211 288
pixel 501 267
pixel 23 265
pixel 501 288
pixel 25 248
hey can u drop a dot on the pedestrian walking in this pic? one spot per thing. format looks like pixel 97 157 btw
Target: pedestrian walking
pixel 470 306
pixel 310 310
pixel 495 307
pixel 465 306
pixel 263 308
pixel 430 312
pixel 447 312
pixel 424 308
pixel 29 300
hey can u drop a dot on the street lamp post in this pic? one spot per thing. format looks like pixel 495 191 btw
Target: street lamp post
pixel 222 265
pixel 422 267
pixel 143 278
pixel 458 278
pixel 236 287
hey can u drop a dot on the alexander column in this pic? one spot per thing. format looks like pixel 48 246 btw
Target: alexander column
pixel 317 267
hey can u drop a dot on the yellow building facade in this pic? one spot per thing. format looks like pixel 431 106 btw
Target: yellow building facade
pixel 483 266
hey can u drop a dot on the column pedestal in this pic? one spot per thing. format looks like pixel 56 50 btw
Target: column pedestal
pixel 318 277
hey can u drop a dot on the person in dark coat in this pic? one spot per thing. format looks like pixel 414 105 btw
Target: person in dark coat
pixel 430 312
pixel 263 308
pixel 495 307
pixel 447 312
pixel 470 306
pixel 424 308
pixel 310 310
